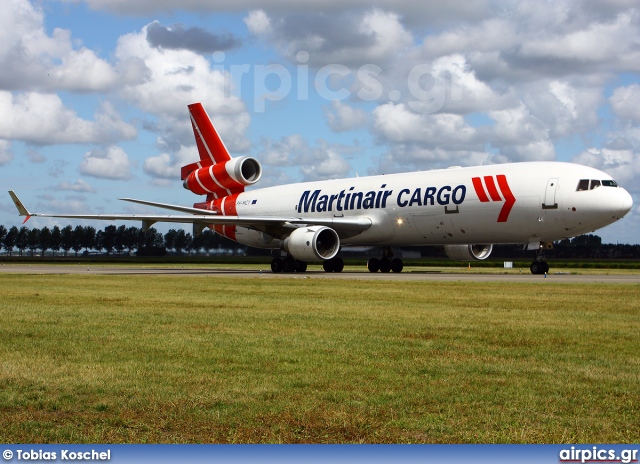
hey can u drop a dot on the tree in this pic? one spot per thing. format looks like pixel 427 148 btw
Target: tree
pixel 3 234
pixel 22 239
pixel 170 239
pixel 33 239
pixel 153 238
pixel 587 240
pixel 106 239
pixel 120 239
pixel 44 240
pixel 152 243
pixel 56 239
pixel 182 241
pixel 77 239
pixel 10 239
pixel 66 239
pixel 88 238
pixel 131 238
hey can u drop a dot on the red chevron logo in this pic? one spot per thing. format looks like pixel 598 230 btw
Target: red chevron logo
pixel 492 189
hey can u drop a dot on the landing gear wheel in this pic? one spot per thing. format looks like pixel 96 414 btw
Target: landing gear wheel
pixel 385 265
pixel 301 266
pixel 289 265
pixel 373 265
pixel 396 265
pixel 276 265
pixel 333 265
pixel 539 267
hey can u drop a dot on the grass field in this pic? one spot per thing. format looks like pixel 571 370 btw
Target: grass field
pixel 168 359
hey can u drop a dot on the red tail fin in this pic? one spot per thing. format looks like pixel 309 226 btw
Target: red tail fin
pixel 210 146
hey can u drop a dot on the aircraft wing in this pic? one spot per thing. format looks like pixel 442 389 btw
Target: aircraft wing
pixel 273 225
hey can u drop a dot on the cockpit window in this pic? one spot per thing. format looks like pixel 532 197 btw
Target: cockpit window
pixel 590 184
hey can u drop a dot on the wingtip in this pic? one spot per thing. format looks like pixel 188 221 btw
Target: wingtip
pixel 21 208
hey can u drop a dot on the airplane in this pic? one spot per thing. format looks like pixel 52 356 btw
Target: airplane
pixel 464 209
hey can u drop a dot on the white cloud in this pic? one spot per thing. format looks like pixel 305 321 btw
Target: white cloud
pixel 286 152
pixel 166 166
pixel 424 140
pixel 175 78
pixel 112 163
pixel 429 12
pixel 351 39
pixel 259 23
pixel 161 166
pixel 342 117
pixel 397 123
pixel 388 32
pixel 325 161
pixel 42 119
pixel 330 166
pixel 6 154
pixel 78 186
pixel 32 60
pixel 608 43
pixel 626 102
pixel 622 165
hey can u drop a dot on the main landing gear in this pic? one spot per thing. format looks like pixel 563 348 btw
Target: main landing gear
pixel 288 264
pixel 333 265
pixel 387 264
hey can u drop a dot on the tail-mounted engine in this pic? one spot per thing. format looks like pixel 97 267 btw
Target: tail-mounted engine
pixel 312 243
pixel 222 179
pixel 468 252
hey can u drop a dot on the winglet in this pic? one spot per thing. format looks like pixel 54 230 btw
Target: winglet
pixel 21 208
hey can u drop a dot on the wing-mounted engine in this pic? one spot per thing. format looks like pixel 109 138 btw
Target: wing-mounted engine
pixel 224 178
pixel 468 252
pixel 312 243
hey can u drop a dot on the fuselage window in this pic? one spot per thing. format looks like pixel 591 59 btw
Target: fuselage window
pixel 583 184
pixel 609 183
pixel 594 184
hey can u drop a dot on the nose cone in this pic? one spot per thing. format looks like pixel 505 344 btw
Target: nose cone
pixel 622 203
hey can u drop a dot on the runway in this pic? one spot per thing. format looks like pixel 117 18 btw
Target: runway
pixel 559 277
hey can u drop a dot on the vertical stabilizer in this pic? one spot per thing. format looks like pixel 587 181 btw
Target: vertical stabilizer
pixel 210 146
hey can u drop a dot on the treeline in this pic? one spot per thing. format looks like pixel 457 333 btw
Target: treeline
pixel 112 240
pixel 121 240
pixel 587 246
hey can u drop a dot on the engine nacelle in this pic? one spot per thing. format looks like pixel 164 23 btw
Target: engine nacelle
pixel 468 252
pixel 312 243
pixel 224 178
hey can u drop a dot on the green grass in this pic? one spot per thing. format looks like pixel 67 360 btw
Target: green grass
pixel 170 359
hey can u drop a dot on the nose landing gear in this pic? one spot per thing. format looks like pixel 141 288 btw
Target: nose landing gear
pixel 539 265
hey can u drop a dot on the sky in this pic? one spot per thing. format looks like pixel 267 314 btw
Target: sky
pixel 94 93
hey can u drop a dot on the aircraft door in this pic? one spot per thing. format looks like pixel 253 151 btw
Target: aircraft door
pixel 550 194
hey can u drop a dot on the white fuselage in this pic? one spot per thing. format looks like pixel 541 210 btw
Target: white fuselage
pixel 508 203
